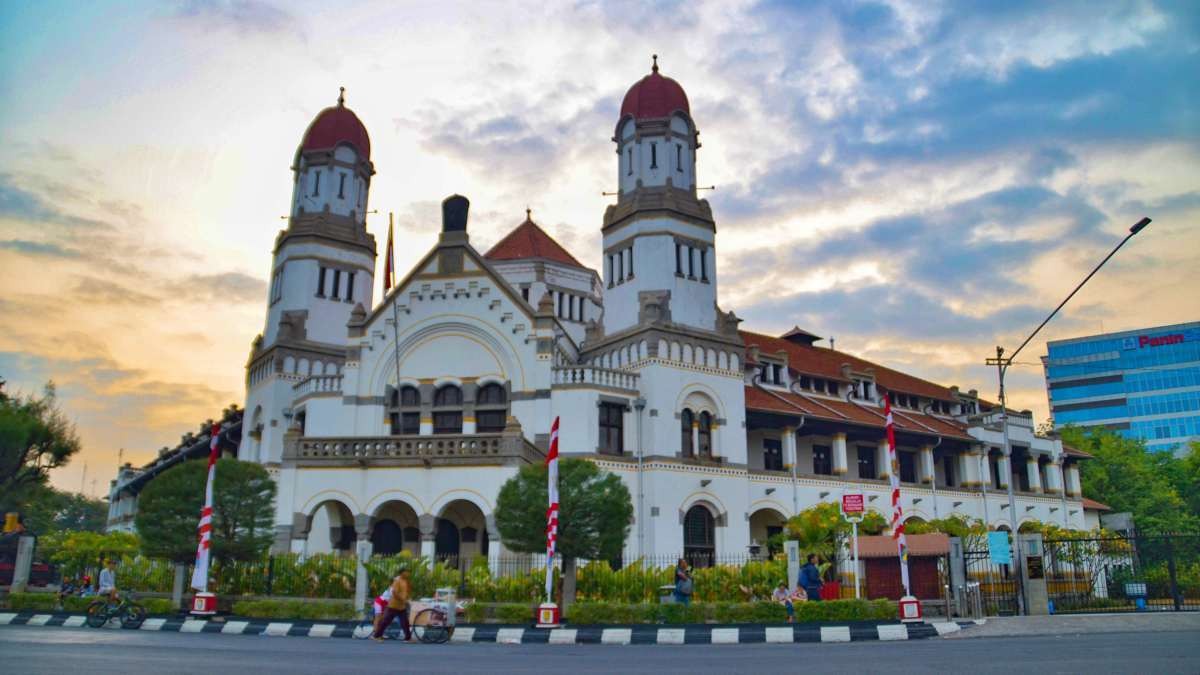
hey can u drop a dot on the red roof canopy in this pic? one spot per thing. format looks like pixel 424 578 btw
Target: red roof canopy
pixel 530 241
pixel 919 545
pixel 654 96
pixel 335 125
pixel 1093 505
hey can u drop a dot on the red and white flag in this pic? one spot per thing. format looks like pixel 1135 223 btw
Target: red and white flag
pixel 552 510
pixel 897 510
pixel 389 261
pixel 204 549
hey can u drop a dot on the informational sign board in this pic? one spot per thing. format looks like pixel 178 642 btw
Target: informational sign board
pixel 998 548
pixel 853 506
pixel 1034 567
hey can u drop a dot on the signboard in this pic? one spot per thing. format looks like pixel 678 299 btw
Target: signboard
pixel 998 549
pixel 1034 567
pixel 852 505
pixel 1143 341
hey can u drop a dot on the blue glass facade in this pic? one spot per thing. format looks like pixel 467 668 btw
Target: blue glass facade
pixel 1145 384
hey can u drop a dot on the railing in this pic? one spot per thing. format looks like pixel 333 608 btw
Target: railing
pixel 413 450
pixel 604 377
pixel 318 384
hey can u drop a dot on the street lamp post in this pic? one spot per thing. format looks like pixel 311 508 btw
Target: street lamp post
pixel 1002 363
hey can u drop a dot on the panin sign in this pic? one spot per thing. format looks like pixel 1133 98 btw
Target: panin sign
pixel 1142 341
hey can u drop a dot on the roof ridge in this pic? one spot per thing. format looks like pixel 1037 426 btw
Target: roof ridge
pixel 511 240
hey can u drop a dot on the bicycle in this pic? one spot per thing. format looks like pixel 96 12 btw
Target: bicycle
pixel 432 626
pixel 131 614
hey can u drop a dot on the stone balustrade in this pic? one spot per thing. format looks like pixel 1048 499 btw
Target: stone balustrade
pixel 505 449
pixel 594 375
pixel 318 384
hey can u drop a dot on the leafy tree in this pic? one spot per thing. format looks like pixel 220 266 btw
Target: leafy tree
pixel 594 514
pixel 972 531
pixel 35 438
pixel 50 510
pixel 1184 474
pixel 1125 476
pixel 86 551
pixel 821 529
pixel 243 511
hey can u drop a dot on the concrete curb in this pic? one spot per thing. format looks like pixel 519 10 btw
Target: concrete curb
pixel 613 635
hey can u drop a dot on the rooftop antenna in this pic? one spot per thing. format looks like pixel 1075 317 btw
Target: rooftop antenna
pixel 832 342
pixel 341 97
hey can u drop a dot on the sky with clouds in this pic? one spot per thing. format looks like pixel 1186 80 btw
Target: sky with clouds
pixel 920 180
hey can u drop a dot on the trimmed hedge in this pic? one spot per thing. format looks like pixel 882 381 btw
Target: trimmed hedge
pixel 32 601
pixel 330 610
pixel 730 612
pixel 513 613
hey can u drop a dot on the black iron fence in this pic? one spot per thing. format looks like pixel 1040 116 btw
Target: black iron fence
pixel 1142 572
pixel 994 585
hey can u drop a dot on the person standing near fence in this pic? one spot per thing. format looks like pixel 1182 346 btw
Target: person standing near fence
pixel 397 607
pixel 810 578
pixel 683 583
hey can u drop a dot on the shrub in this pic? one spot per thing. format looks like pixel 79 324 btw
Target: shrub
pixel 475 612
pixel 329 610
pixel 514 613
pixel 76 603
pixel 730 612
pixel 32 601
pixel 158 605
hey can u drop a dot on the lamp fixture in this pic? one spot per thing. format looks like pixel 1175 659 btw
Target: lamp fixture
pixel 706 482
pixel 770 491
pixel 824 495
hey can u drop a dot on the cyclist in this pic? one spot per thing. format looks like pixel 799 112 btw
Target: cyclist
pixel 108 581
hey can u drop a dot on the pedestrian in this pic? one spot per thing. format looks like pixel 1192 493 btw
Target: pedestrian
pixel 66 589
pixel 380 606
pixel 810 578
pixel 788 599
pixel 683 583
pixel 108 581
pixel 397 607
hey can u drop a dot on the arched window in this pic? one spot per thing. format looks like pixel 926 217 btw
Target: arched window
pixel 491 409
pixel 705 434
pixel 699 537
pixel 405 413
pixel 685 433
pixel 447 410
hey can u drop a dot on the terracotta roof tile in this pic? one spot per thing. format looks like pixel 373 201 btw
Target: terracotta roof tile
pixel 1093 505
pixel 530 241
pixel 883 546
pixel 825 362
pixel 836 410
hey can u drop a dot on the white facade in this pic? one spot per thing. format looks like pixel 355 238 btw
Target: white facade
pixel 398 423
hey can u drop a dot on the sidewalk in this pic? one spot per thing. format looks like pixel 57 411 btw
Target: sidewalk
pixel 1075 624
pixel 647 634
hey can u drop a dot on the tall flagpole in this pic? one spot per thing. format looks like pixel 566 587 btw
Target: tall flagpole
pixel 897 510
pixel 204 548
pixel 552 509
pixel 389 271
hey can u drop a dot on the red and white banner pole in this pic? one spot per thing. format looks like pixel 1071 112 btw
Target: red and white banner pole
pixel 205 602
pixel 910 608
pixel 549 613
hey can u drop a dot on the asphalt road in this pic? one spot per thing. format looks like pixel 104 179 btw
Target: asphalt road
pixel 61 651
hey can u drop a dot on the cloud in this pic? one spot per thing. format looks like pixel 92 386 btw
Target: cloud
pixel 39 249
pixel 98 291
pixel 227 287
pixel 241 16
pixel 19 204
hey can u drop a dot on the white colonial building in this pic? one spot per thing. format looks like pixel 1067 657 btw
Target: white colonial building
pixel 396 422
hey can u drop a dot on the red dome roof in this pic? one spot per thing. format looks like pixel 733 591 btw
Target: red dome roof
pixel 654 96
pixel 337 125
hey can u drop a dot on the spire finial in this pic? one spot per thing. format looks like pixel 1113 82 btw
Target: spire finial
pixel 341 97
pixel 528 213
pixel 654 67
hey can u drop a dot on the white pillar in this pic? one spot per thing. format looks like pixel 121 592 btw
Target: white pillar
pixel 696 437
pixel 23 564
pixel 468 425
pixel 1034 473
pixel 1073 480
pixel 883 463
pixel 361 578
pixel 789 446
pixel 1004 465
pixel 426 426
pixel 1053 477
pixel 928 472
pixel 839 454
pixel 969 463
pixel 983 466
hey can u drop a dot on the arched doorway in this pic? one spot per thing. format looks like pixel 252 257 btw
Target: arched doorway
pixel 331 528
pixel 764 524
pixel 391 529
pixel 699 536
pixel 461 533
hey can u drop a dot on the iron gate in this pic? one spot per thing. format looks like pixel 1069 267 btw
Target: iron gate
pixel 1142 572
pixel 997 586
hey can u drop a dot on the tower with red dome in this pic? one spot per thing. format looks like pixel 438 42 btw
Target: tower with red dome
pixel 659 237
pixel 322 272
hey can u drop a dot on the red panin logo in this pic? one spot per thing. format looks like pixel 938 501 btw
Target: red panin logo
pixel 1160 340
